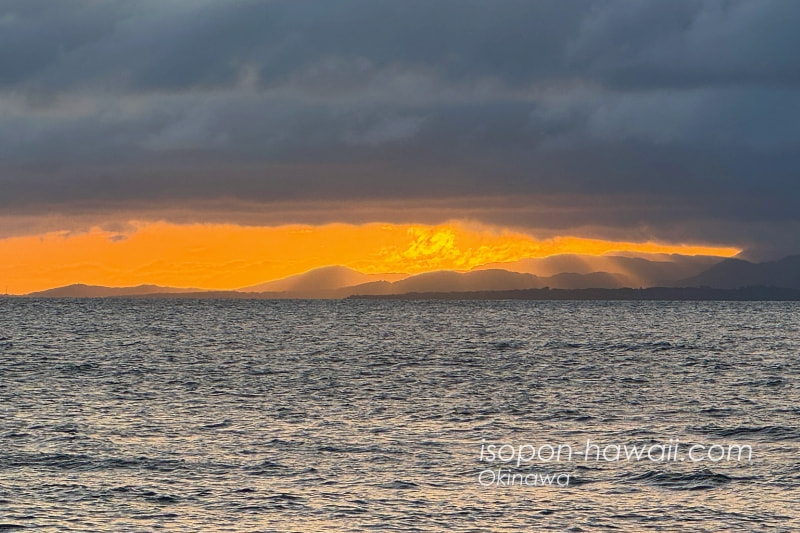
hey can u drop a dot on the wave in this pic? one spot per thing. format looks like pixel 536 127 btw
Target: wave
pixel 770 433
pixel 698 480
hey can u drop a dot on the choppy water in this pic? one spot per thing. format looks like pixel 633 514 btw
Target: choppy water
pixel 138 415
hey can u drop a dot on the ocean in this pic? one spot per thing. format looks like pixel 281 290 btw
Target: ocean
pixel 213 415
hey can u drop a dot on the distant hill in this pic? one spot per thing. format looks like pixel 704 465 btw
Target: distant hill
pixel 321 279
pixel 449 280
pixel 596 280
pixel 342 282
pixel 649 294
pixel 488 280
pixel 735 273
pixel 655 270
pixel 329 283
pixel 80 290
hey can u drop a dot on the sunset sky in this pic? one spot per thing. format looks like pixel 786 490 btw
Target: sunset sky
pixel 222 144
pixel 227 256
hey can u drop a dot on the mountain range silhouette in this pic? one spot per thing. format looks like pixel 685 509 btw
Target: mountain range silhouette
pixel 568 272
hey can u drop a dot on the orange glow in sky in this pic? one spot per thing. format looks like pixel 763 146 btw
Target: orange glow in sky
pixel 221 256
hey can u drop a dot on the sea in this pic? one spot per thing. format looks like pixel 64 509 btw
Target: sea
pixel 351 415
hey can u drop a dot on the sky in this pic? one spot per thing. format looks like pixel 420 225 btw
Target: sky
pixel 675 123
pixel 231 256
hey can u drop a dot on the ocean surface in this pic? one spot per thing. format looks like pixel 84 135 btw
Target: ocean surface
pixel 174 415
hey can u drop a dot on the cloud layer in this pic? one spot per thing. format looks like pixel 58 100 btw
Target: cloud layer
pixel 677 119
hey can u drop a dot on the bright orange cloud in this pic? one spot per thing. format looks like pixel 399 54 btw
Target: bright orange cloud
pixel 221 256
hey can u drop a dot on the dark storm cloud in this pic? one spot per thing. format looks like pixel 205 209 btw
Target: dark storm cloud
pixel 692 108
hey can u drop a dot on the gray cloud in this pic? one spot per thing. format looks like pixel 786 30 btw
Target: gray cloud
pixel 687 110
